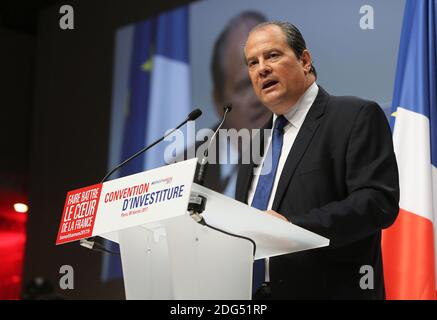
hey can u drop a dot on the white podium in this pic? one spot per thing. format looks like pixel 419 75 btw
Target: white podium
pixel 181 259
pixel 166 254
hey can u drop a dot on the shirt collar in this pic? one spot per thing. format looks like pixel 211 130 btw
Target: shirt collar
pixel 298 112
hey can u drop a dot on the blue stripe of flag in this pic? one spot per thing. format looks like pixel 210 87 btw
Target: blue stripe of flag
pixel 166 35
pixel 173 25
pixel 416 76
pixel 136 117
pixel 139 93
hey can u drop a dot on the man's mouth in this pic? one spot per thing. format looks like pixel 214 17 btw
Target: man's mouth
pixel 268 84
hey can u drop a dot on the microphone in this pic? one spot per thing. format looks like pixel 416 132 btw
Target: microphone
pixel 92 243
pixel 191 117
pixel 203 164
pixel 194 115
pixel 197 202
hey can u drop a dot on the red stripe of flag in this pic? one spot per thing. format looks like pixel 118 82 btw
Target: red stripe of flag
pixel 408 253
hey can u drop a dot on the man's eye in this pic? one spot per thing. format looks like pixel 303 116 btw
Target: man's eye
pixel 252 63
pixel 273 55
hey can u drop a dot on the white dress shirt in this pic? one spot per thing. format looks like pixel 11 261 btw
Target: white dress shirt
pixel 295 117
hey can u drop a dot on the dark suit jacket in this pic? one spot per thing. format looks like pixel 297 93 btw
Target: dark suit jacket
pixel 340 180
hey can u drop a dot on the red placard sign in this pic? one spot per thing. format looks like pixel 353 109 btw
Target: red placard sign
pixel 79 214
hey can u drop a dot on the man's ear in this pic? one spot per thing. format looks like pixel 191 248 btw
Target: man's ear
pixel 306 60
pixel 218 103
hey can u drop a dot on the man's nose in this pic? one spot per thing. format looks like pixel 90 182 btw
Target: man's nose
pixel 264 69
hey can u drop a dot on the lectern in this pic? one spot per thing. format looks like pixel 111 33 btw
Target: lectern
pixel 165 253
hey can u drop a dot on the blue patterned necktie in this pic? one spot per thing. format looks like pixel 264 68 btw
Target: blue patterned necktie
pixel 264 188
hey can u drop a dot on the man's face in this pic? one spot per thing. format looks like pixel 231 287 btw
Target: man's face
pixel 247 110
pixel 278 77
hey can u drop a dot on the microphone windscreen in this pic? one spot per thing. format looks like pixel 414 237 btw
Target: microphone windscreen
pixel 194 115
pixel 228 107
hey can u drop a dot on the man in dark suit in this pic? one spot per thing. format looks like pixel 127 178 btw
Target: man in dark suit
pixel 333 172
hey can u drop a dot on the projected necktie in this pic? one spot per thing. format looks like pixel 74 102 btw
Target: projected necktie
pixel 264 188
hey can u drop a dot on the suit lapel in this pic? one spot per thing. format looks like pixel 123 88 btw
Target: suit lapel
pixel 301 143
pixel 243 183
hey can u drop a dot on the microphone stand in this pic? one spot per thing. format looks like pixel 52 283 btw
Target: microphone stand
pixel 93 243
pixel 197 201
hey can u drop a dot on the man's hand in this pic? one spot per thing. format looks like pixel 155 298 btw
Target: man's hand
pixel 277 215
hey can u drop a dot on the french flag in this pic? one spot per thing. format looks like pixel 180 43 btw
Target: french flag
pixel 159 93
pixel 170 95
pixel 409 244
pixel 156 99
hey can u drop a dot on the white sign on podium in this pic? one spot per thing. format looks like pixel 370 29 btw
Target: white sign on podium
pixel 165 253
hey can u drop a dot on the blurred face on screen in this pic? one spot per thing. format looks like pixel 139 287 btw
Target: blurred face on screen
pixel 247 111
pixel 278 77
